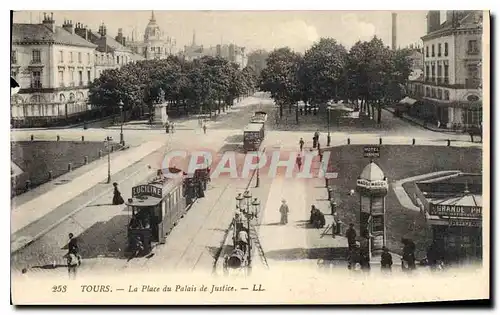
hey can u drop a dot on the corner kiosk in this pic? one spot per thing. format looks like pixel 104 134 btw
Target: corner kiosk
pixel 155 208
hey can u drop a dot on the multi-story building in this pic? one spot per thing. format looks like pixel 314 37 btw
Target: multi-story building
pixel 231 52
pixel 110 53
pixel 155 44
pixel 451 92
pixel 53 67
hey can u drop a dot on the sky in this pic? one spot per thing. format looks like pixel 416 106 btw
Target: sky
pixel 252 29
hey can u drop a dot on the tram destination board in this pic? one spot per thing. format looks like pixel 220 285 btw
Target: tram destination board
pixel 147 190
pixel 371 151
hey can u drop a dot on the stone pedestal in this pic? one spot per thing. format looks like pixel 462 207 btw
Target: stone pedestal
pixel 161 116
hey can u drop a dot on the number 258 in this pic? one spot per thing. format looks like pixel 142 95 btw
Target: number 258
pixel 59 289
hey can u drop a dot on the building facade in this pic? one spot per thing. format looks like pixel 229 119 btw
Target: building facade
pixel 53 67
pixel 451 90
pixel 155 45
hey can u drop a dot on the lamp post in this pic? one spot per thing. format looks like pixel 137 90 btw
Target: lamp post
pixel 239 201
pixel 328 138
pixel 122 142
pixel 248 196
pixel 257 182
pixel 256 208
pixel 107 141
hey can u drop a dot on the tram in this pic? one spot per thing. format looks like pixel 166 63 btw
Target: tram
pixel 157 206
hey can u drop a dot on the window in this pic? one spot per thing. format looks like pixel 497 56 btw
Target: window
pixel 440 94
pixel 118 59
pixel 61 78
pixel 36 56
pixel 72 78
pixel 439 73
pixel 446 95
pixel 36 77
pixel 61 56
pixel 13 57
pixel 473 47
pixel 427 72
pixel 62 98
pixel 446 70
pixel 433 72
pixel 88 58
pixel 427 51
pixel 427 91
pixel 71 97
pixel 80 78
pixel 446 49
pixel 439 50
pixel 88 76
pixel 433 95
pixel 79 57
pixel 96 58
pixel 433 51
pixel 71 57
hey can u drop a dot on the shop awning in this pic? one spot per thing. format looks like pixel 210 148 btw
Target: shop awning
pixel 408 101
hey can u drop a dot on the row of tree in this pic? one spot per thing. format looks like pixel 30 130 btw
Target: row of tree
pixel 369 72
pixel 206 85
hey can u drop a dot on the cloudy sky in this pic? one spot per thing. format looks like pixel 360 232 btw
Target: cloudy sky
pixel 252 29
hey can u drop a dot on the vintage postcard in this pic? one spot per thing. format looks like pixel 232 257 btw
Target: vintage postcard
pixel 249 157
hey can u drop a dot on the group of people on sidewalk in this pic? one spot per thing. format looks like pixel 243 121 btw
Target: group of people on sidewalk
pixel 316 144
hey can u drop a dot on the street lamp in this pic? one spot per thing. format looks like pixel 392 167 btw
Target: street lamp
pixel 107 141
pixel 122 142
pixel 256 208
pixel 328 138
pixel 248 196
pixel 257 182
pixel 239 201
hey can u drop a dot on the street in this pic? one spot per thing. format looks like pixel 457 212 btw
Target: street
pixel 195 243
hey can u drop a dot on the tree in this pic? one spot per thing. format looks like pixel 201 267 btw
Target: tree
pixel 280 77
pixel 322 71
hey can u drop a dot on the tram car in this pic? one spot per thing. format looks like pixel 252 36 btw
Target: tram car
pixel 157 206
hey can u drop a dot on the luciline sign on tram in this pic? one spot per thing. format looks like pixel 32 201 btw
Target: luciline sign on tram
pixel 147 190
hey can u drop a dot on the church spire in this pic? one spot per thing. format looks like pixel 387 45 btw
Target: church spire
pixel 152 16
pixel 194 38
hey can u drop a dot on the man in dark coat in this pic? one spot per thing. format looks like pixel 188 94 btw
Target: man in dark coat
pixel 409 253
pixel 386 260
pixel 351 236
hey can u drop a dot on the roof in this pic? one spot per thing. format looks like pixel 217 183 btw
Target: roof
pixel 254 127
pixel 25 33
pixel 114 45
pixel 372 172
pixel 464 21
pixel 472 200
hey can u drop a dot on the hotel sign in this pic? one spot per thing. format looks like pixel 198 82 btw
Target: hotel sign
pixel 456 211
pixel 146 190
pixel 371 151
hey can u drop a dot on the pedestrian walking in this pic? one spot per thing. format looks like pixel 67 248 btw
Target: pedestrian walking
pixel 408 259
pixel 301 144
pixel 386 260
pixel 298 160
pixel 73 248
pixel 117 196
pixel 351 237
pixel 172 127
pixel 72 260
pixel 284 212
pixel 204 128
pixel 320 153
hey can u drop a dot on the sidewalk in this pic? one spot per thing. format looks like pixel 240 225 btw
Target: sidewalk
pixel 43 204
pixel 420 122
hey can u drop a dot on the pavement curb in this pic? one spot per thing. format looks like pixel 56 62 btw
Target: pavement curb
pixel 22 245
pixel 423 125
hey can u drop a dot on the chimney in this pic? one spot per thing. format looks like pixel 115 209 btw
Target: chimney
pixel 119 38
pixel 433 21
pixel 81 30
pixel 48 21
pixel 102 30
pixel 394 30
pixel 68 26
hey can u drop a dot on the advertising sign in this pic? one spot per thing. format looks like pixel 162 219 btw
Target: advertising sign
pixel 377 223
pixel 377 205
pixel 456 211
pixel 465 223
pixel 371 151
pixel 365 204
